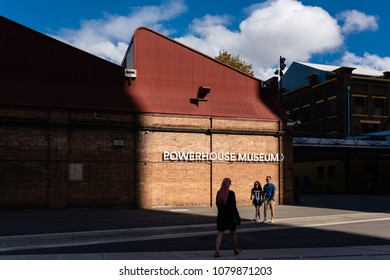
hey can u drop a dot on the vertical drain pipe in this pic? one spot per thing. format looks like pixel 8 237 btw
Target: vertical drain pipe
pixel 348 110
pixel 279 167
pixel 210 131
pixel 211 162
pixel 201 96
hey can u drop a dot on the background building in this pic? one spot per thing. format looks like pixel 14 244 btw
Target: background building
pixel 164 129
pixel 341 143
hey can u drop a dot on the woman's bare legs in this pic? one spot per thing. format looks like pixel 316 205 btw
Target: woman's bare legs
pixel 237 249
pixel 257 213
pixel 233 235
pixel 218 242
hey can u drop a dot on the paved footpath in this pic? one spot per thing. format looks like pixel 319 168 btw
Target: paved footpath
pixel 34 230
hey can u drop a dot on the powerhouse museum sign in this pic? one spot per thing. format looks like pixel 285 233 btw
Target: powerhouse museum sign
pixel 222 156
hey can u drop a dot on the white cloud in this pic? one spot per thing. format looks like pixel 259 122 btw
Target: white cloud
pixel 367 61
pixel 210 35
pixel 273 28
pixel 270 29
pixel 355 21
pixel 109 37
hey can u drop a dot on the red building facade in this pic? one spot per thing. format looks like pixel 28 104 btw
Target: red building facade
pixel 79 132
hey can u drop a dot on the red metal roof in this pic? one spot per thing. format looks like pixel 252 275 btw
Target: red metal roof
pixel 169 74
pixel 38 70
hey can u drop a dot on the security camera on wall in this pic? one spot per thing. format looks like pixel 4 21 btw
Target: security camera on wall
pixel 130 73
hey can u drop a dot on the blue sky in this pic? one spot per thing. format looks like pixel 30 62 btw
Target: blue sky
pixel 345 32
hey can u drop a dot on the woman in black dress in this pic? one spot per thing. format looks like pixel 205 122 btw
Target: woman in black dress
pixel 228 217
pixel 257 199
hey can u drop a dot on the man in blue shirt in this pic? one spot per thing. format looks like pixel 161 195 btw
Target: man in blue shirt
pixel 269 198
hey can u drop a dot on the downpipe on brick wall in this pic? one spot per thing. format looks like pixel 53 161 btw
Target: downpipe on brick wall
pixel 210 131
pixel 279 167
pixel 211 162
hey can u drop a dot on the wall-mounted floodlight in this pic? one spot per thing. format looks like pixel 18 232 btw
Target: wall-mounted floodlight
pixel 130 73
pixel 201 95
pixel 203 91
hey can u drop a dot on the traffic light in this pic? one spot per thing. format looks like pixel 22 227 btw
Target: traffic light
pixel 282 65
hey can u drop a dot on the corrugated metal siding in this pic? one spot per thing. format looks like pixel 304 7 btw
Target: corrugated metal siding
pixel 169 75
pixel 37 70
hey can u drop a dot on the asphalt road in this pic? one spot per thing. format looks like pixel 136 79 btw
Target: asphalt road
pixel 318 222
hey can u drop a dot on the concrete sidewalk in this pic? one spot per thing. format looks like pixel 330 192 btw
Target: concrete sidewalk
pixel 38 229
pixel 330 253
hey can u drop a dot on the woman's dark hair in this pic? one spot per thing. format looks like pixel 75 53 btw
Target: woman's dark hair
pixel 257 182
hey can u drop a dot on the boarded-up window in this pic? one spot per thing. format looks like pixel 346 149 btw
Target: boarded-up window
pixel 75 171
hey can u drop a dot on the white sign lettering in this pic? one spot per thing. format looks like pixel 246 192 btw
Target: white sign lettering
pixel 222 156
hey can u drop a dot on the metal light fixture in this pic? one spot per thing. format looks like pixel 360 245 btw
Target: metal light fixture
pixel 203 91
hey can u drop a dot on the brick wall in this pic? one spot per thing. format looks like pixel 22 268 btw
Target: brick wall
pixel 59 158
pixel 183 183
pixel 64 158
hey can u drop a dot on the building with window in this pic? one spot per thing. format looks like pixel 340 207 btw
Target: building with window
pixel 163 129
pixel 341 143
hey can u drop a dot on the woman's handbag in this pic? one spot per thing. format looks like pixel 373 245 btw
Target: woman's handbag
pixel 237 219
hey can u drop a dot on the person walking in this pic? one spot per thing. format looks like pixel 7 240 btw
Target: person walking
pixel 228 217
pixel 269 198
pixel 257 199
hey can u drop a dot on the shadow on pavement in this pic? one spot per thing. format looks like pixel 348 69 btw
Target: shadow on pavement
pixel 193 229
pixel 367 203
